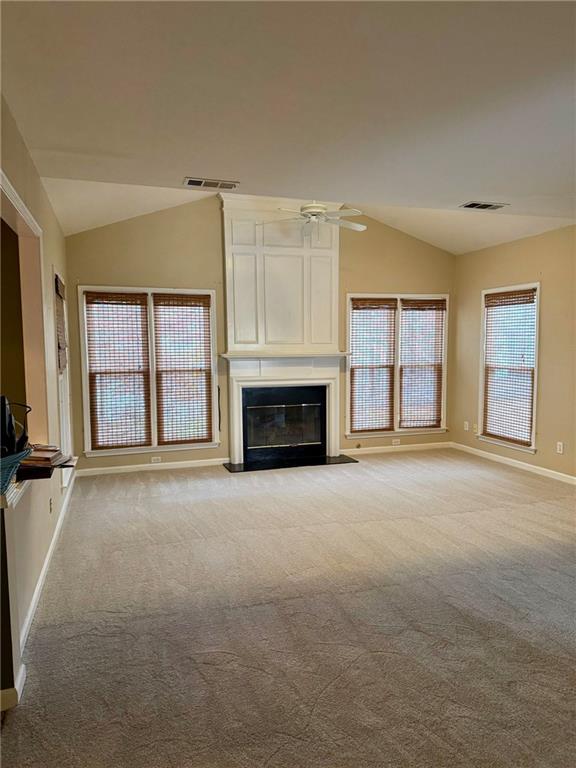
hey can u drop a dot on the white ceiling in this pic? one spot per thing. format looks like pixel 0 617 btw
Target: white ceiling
pixel 463 231
pixel 81 205
pixel 392 106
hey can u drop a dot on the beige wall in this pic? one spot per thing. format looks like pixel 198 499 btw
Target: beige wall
pixel 183 248
pixel 385 260
pixel 548 259
pixel 32 524
pixel 179 247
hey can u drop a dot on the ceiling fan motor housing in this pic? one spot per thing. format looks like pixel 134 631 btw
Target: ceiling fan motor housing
pixel 313 209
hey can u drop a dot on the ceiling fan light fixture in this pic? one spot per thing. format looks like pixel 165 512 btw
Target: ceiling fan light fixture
pixel 315 212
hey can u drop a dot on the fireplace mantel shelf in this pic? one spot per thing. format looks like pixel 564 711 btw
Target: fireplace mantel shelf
pixel 276 355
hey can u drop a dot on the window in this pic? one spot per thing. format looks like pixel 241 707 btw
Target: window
pixel 509 365
pixel 397 360
pixel 421 362
pixel 149 372
pixel 372 348
pixel 183 368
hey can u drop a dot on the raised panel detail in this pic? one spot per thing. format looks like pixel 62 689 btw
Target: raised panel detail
pixel 322 236
pixel 321 299
pixel 284 298
pixel 245 298
pixel 243 232
pixel 286 234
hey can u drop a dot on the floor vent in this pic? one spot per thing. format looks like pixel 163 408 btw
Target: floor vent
pixel 483 206
pixel 195 183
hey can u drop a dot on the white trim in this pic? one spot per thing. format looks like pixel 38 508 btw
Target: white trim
pixel 397 448
pixel 397 428
pixel 27 623
pixel 88 450
pixel 534 468
pixel 36 232
pixel 481 377
pixel 275 355
pixel 551 473
pixel 506 444
pixel 395 433
pixel 19 205
pixel 91 471
pixel 150 449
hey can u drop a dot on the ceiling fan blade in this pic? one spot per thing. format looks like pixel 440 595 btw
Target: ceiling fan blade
pixel 280 221
pixel 348 224
pixel 288 210
pixel 343 212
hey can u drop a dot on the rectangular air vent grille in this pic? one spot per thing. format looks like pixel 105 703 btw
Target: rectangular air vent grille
pixel 483 206
pixel 196 183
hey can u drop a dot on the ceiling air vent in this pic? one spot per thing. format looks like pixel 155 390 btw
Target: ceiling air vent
pixel 482 206
pixel 194 183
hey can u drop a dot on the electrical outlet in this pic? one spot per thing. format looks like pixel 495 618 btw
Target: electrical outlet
pixel 396 442
pixel 475 429
pixel 466 426
pixel 156 459
pixel 559 447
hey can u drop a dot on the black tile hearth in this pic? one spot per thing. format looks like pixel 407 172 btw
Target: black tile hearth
pixel 311 461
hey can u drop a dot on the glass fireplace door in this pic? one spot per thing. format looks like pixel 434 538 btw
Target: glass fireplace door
pixel 285 422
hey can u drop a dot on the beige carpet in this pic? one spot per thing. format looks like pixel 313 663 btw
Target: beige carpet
pixel 414 610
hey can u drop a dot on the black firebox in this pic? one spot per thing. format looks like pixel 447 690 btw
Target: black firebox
pixel 283 425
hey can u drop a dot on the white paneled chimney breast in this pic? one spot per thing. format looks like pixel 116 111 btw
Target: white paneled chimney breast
pixel 282 306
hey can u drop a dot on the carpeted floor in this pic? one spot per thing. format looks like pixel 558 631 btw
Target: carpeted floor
pixel 414 610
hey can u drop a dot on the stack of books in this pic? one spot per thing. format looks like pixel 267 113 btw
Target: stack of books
pixel 42 462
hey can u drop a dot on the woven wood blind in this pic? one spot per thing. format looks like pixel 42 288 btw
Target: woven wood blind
pixel 422 325
pixel 183 368
pixel 372 345
pixel 509 365
pixel 60 311
pixel 118 369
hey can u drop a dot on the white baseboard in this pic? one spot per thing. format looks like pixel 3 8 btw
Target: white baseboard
pixel 397 448
pixel 571 479
pixel 27 623
pixel 551 473
pixel 150 467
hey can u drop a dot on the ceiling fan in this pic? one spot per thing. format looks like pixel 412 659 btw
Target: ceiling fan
pixel 314 213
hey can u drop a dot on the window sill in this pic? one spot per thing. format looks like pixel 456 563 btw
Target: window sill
pixel 150 449
pixel 396 433
pixel 505 444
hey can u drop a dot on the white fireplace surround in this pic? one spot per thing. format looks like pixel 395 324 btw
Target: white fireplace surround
pixel 286 371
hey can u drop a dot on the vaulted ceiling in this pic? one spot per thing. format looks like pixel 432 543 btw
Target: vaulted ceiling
pixel 405 109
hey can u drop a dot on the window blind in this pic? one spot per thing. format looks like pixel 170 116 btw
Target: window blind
pixel 372 344
pixel 183 354
pixel 422 324
pixel 118 369
pixel 509 365
pixel 60 297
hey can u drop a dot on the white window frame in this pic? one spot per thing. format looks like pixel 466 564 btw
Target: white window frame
pixel 154 448
pixel 397 429
pixel 481 387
